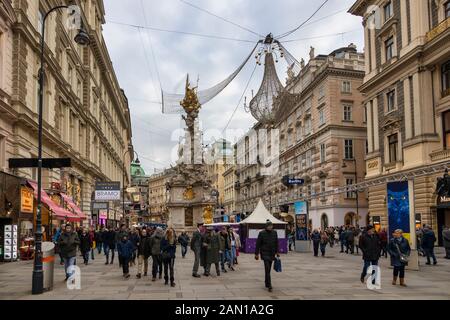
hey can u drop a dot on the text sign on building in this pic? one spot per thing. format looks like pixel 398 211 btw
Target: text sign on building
pixel 107 191
pixel 100 205
pixel 26 200
pixel 292 181
pixel 103 214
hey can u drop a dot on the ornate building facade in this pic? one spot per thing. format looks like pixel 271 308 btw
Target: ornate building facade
pixel 158 195
pixel 407 96
pixel 322 140
pixel 86 115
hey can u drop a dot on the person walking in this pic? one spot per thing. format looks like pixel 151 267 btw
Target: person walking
pixel 98 240
pixel 183 239
pixel 168 251
pixel 134 239
pixel 93 242
pixel 196 247
pixel 267 248
pixel 225 245
pixel 323 242
pixel 399 250
pixel 428 240
pixel 85 245
pixel 315 238
pixel 235 243
pixel 212 244
pixel 56 237
pixel 446 238
pixel 370 245
pixel 350 240
pixel 109 244
pixel 383 242
pixel 68 243
pixel 143 253
pixel 155 250
pixel 342 238
pixel 125 250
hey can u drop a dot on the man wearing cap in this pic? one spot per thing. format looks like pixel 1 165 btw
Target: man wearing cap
pixel 196 247
pixel 370 245
pixel 267 247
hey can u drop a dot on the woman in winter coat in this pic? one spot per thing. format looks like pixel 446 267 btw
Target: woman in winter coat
pixel 85 245
pixel 168 250
pixel 398 246
pixel 212 244
pixel 323 242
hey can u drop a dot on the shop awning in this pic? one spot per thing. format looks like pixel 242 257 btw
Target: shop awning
pixel 58 212
pixel 74 207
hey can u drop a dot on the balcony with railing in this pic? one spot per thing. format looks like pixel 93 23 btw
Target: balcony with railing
pixel 439 29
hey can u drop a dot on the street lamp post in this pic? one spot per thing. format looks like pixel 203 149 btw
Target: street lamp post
pixel 356 182
pixel 81 38
pixel 123 177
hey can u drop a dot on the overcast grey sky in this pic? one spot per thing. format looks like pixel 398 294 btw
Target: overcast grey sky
pixel 155 135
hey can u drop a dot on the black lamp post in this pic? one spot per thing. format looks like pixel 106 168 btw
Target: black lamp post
pixel 123 178
pixel 356 182
pixel 82 38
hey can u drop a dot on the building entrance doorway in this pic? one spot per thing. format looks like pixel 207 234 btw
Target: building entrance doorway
pixel 443 220
pixel 349 219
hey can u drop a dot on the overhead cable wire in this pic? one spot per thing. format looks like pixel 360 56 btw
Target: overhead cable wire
pixel 222 18
pixel 148 62
pixel 180 32
pixel 303 23
pixel 240 100
pixel 151 45
pixel 322 36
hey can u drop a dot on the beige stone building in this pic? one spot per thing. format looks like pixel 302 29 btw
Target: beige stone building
pixel 322 140
pixel 407 96
pixel 229 198
pixel 86 115
pixel 158 195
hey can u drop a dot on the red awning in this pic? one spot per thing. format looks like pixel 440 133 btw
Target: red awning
pixel 74 207
pixel 58 212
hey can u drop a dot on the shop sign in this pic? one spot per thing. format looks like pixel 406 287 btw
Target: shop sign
pixel 444 199
pixel 103 214
pixel 10 243
pixel 111 215
pixel 136 197
pixel 107 191
pixel 26 200
pixel 100 205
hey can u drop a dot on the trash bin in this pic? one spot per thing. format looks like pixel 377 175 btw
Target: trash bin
pixel 48 264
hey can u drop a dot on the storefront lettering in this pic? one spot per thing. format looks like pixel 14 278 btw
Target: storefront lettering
pixel 26 200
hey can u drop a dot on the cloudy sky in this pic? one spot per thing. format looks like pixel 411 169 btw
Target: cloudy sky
pixel 144 58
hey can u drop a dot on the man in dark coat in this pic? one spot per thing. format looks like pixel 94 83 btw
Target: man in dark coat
pixel 370 245
pixel 428 240
pixel 109 244
pixel 350 240
pixel 446 238
pixel 99 240
pixel 143 253
pixel 267 248
pixel 196 247
pixel 212 243
pixel 68 242
pixel 315 237
pixel 85 245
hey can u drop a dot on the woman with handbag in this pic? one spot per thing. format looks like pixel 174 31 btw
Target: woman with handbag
pixel 399 250
pixel 168 249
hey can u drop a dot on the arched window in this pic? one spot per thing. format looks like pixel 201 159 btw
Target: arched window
pixel 324 221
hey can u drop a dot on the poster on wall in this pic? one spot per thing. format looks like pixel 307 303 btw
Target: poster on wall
pixel 398 207
pixel 301 218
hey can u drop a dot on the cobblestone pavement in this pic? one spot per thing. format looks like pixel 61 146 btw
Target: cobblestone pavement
pixel 304 277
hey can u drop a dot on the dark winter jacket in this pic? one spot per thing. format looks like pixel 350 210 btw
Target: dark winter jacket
pixel 446 238
pixel 212 241
pixel 267 245
pixel 370 245
pixel 166 247
pixel 154 245
pixel 98 237
pixel 196 241
pixel 125 249
pixel 428 239
pixel 134 238
pixel 183 239
pixel 68 243
pixel 143 247
pixel 109 238
pixel 315 237
pixel 393 248
pixel 349 236
pixel 85 243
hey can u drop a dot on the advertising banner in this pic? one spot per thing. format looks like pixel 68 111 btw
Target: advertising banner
pixel 398 207
pixel 107 191
pixel 301 220
pixel 103 214
pixel 26 200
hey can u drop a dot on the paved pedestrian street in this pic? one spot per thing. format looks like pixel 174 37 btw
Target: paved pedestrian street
pixel 304 277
